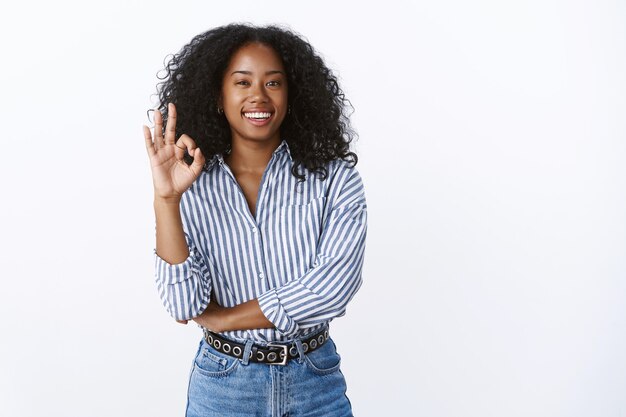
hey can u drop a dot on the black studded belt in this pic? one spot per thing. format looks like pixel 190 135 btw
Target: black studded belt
pixel 272 353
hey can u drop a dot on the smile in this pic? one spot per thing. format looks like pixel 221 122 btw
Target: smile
pixel 258 118
pixel 258 115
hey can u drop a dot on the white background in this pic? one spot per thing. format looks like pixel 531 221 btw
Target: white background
pixel 492 147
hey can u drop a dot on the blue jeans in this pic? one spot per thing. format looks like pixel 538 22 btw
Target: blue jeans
pixel 309 385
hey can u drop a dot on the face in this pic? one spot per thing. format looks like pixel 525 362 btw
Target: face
pixel 254 94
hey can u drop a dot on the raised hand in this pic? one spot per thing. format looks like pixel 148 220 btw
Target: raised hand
pixel 170 174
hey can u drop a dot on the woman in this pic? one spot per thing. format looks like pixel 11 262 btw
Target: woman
pixel 260 220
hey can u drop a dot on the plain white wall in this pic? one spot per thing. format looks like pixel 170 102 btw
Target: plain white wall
pixel 492 146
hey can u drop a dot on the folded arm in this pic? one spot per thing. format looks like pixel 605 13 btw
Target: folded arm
pixel 324 291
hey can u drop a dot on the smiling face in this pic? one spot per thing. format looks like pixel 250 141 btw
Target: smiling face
pixel 254 94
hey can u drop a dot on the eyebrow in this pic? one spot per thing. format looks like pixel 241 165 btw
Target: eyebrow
pixel 266 73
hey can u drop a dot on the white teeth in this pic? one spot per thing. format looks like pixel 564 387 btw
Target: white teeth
pixel 257 115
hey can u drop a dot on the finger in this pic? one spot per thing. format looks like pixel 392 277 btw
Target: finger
pixel 182 321
pixel 170 127
pixel 198 162
pixel 158 129
pixel 185 142
pixel 148 138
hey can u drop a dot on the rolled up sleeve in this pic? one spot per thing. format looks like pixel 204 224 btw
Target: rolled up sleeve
pixel 184 288
pixel 324 291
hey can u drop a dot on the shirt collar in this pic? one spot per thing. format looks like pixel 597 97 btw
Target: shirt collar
pixel 283 147
pixel 219 158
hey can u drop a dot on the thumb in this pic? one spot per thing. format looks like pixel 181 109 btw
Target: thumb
pixel 198 161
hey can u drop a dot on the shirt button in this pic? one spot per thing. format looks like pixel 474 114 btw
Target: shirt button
pixel 254 230
pixel 261 275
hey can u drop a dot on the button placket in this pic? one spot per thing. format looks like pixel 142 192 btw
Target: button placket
pixel 258 252
pixel 266 181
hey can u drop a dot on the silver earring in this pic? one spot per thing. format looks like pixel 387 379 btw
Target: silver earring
pixel 289 109
pixel 220 111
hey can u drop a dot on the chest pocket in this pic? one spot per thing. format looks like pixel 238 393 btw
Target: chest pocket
pixel 300 227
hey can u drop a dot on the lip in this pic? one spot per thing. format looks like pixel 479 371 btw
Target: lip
pixel 258 122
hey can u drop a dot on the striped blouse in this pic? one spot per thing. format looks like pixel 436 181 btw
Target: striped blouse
pixel 301 255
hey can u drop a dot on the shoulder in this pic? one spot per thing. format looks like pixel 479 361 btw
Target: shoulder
pixel 344 183
pixel 341 172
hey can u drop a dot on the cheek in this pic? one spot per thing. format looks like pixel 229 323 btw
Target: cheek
pixel 281 97
pixel 231 98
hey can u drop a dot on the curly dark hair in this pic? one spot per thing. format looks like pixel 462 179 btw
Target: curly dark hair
pixel 317 128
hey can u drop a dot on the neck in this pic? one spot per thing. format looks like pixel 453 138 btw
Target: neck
pixel 251 156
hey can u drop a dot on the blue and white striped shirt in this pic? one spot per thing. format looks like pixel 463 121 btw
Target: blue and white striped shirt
pixel 302 255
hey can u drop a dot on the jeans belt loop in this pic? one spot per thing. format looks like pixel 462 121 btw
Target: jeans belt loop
pixel 247 352
pixel 300 350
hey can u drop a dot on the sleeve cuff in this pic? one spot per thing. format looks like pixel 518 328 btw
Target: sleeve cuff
pixel 184 288
pixel 175 273
pixel 275 312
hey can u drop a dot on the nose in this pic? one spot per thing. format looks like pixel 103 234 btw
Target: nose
pixel 258 94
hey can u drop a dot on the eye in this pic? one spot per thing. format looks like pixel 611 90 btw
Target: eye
pixel 273 83
pixel 242 82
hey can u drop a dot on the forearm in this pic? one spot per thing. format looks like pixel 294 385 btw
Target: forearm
pixel 244 316
pixel 171 245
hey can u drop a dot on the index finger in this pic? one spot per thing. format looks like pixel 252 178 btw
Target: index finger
pixel 158 128
pixel 149 144
pixel 170 126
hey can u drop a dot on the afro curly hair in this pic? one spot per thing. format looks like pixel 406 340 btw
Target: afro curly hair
pixel 317 128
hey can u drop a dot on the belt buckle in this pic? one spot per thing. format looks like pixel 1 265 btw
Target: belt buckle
pixel 285 353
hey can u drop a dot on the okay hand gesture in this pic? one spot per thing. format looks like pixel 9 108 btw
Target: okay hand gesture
pixel 170 174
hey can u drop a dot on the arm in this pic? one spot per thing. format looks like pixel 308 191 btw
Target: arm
pixel 324 291
pixel 182 278
pixel 243 316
